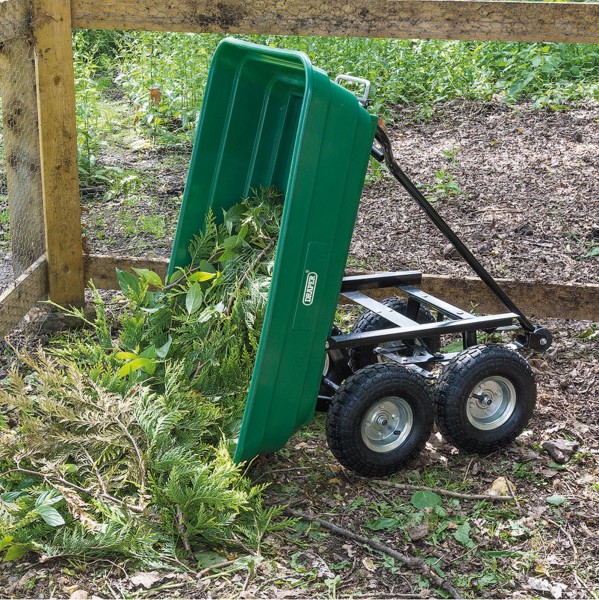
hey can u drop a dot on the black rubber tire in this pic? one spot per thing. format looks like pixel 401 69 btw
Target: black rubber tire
pixel 368 321
pixel 356 399
pixel 459 415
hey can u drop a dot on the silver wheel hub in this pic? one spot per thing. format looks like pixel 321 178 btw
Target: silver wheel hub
pixel 491 403
pixel 387 424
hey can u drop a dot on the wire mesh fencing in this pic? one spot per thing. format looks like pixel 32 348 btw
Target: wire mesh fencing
pixel 21 212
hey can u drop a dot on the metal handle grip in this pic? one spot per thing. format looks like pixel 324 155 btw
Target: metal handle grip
pixel 362 99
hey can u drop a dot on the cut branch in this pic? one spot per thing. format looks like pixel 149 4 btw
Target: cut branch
pixel 441 492
pixel 54 478
pixel 417 564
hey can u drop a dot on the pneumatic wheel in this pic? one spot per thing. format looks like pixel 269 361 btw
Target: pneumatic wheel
pixel 364 355
pixel 484 398
pixel 380 419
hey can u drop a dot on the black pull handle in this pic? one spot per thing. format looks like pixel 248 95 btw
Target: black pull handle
pixel 377 154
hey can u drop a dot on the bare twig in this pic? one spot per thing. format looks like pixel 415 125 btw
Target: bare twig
pixel 49 478
pixel 220 565
pixel 181 529
pixel 412 562
pixel 441 492
pixel 96 470
pixel 574 553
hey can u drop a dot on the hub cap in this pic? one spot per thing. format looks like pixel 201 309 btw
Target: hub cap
pixel 491 403
pixel 387 424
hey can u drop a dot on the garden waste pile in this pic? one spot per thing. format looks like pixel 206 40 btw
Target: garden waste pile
pixel 116 440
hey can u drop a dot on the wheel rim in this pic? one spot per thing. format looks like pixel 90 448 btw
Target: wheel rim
pixel 491 403
pixel 387 424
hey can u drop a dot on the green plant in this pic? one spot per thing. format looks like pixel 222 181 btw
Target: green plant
pixel 445 186
pixel 126 429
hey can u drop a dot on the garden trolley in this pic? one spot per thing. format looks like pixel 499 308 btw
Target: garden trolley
pixel 270 118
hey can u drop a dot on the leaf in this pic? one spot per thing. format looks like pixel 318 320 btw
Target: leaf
pixel 194 298
pixel 127 282
pixel 425 499
pixel 201 276
pixel 556 500
pixel 163 350
pixel 17 551
pixel 126 355
pixel 369 564
pixel 233 216
pixel 146 580
pixel 48 498
pixel 501 487
pixel 149 276
pixel 383 523
pixel 135 365
pixel 5 541
pixel 207 558
pixel 50 515
pixel 462 534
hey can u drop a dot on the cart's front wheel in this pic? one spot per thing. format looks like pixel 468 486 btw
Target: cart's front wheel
pixel 484 399
pixel 380 419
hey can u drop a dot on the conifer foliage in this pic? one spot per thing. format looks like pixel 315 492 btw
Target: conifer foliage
pixel 117 441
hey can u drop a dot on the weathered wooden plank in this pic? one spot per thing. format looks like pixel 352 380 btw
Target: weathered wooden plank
pixel 561 301
pixel 19 298
pixel 58 142
pixel 101 269
pixel 14 19
pixel 22 152
pixel 422 19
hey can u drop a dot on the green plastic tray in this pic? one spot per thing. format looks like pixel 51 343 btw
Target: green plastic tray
pixel 270 118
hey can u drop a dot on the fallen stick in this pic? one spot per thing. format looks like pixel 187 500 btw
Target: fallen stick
pixel 441 492
pixel 417 564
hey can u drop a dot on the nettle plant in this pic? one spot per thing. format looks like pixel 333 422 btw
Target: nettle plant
pixel 115 440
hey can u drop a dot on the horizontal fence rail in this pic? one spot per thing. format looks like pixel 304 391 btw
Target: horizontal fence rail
pixel 422 19
pixel 566 301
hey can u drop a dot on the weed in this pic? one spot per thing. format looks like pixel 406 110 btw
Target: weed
pixel 445 186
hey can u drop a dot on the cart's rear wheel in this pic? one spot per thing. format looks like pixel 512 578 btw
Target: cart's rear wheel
pixel 364 355
pixel 380 419
pixel 484 398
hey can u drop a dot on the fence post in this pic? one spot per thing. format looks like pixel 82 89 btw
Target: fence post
pixel 21 138
pixel 51 25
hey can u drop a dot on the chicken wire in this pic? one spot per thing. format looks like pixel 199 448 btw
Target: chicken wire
pixel 21 212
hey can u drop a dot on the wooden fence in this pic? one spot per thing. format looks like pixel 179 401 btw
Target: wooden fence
pixel 36 45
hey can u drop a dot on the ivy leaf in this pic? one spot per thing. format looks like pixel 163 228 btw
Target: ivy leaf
pixel 50 515
pixel 424 499
pixel 193 299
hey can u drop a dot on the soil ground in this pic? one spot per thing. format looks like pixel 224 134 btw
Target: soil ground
pixel 522 189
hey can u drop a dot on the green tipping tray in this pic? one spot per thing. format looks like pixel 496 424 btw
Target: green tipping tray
pixel 270 118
